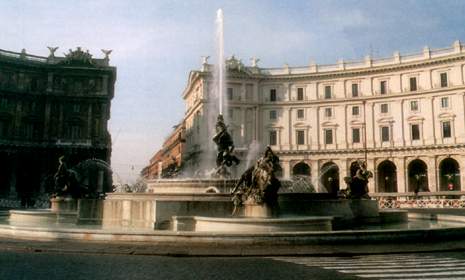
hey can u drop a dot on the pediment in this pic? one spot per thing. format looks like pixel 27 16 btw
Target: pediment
pixel 446 115
pixel 329 124
pixel 356 122
pixel 415 119
pixel 385 120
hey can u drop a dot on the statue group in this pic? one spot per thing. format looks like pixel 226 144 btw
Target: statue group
pixel 357 185
pixel 259 184
pixel 81 181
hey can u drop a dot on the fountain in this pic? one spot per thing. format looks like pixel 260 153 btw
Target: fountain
pixel 256 209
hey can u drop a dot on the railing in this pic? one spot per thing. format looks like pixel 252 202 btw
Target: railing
pixel 444 199
pixel 25 56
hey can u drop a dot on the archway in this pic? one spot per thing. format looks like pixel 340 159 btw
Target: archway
pixel 5 166
pixel 387 177
pixel 417 176
pixel 330 177
pixel 301 168
pixel 449 175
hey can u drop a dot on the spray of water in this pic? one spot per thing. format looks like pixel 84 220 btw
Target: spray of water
pixel 220 57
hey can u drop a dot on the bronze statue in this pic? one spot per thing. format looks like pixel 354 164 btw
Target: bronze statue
pixel 224 142
pixel 358 184
pixel 80 181
pixel 259 183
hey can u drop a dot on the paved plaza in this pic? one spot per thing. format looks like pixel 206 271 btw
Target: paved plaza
pixel 55 265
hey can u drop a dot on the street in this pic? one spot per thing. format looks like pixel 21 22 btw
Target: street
pixel 49 265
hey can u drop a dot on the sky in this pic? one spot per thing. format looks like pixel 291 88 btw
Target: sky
pixel 157 43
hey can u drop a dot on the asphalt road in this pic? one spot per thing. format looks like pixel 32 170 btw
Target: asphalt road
pixel 50 265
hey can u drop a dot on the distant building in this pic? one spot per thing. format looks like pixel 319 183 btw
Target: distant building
pixel 49 107
pixel 169 158
pixel 405 113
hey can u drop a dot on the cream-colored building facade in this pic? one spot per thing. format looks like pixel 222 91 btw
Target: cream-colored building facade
pixel 405 114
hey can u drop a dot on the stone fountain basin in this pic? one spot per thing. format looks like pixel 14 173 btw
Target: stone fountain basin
pixel 42 217
pixel 237 225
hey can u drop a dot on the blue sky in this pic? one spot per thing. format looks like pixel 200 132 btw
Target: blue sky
pixel 156 43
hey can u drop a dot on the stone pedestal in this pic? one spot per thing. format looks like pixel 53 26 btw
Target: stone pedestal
pixel 63 204
pixel 90 211
pixel 255 210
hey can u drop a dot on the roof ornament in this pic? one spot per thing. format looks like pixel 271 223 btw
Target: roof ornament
pixel 52 51
pixel 254 61
pixel 23 54
pixel 205 59
pixel 78 57
pixel 106 53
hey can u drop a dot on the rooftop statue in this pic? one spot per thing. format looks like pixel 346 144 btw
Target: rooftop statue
pixel 225 146
pixel 258 184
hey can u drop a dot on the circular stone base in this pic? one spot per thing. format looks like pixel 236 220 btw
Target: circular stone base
pixel 251 225
pixel 42 217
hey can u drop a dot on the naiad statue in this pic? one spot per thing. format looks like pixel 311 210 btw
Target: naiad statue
pixel 258 184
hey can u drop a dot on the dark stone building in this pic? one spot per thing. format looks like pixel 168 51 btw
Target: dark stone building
pixel 49 107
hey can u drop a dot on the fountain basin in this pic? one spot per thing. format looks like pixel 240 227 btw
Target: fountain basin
pixel 42 217
pixel 247 225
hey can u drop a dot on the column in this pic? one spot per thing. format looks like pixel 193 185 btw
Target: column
pixel 372 182
pixel 14 164
pixel 89 121
pixel 401 175
pixel 47 119
pixel 461 161
pixel 243 127
pixel 289 127
pixel 433 183
pixel 342 163
pixel 402 122
pixel 105 85
pixel 285 164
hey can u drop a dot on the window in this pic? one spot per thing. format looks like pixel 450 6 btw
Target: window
pixel 230 113
pixel 300 113
pixel 354 90
pixel 327 92
pixel 384 108
pixel 355 110
pixel 328 136
pixel 446 130
pixel 76 108
pixel 75 132
pixel 443 79
pixel 383 87
pixel 445 102
pixel 328 112
pixel 415 130
pixel 355 135
pixel 300 136
pixel 272 94
pixel 273 138
pixel 249 92
pixel 300 94
pixel 3 103
pixel 414 106
pixel 3 128
pixel 230 93
pixel 413 83
pixel 385 133
pixel 273 115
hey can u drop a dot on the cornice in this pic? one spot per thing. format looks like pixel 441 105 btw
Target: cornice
pixel 448 148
